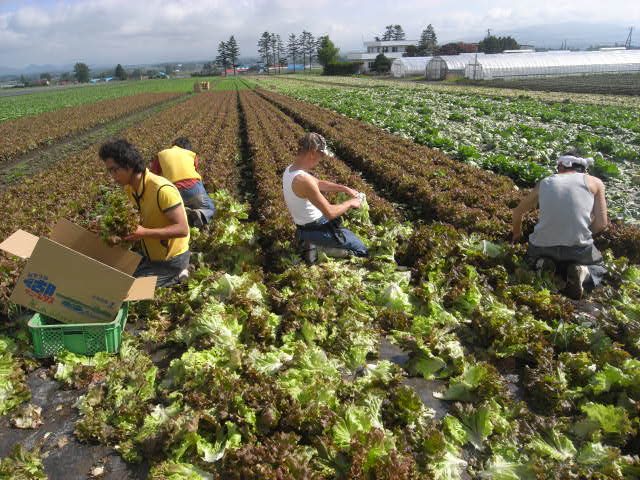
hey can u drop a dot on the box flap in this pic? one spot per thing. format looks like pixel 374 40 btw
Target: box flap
pixel 77 238
pixel 143 288
pixel 20 244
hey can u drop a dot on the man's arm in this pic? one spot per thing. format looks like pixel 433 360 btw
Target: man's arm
pixel 195 163
pixel 307 187
pixel 177 228
pixel 325 186
pixel 155 166
pixel 599 215
pixel 527 204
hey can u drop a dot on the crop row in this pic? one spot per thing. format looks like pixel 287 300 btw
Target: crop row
pixel 267 160
pixel 614 84
pixel 438 187
pixel 218 148
pixel 28 133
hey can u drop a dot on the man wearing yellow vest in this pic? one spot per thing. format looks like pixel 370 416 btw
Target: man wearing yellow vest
pixel 164 233
pixel 179 165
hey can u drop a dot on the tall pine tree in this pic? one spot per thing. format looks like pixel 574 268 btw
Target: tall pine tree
pixel 398 33
pixel 293 49
pixel 281 51
pixel 428 42
pixel 389 32
pixel 120 73
pixel 264 48
pixel 274 49
pixel 305 38
pixel 233 52
pixel 222 59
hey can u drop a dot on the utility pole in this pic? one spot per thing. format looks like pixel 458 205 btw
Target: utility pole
pixel 628 43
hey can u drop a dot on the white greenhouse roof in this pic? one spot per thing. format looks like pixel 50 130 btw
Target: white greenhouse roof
pixel 409 66
pixel 553 64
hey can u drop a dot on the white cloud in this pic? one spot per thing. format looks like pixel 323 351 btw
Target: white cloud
pixel 131 31
pixel 29 19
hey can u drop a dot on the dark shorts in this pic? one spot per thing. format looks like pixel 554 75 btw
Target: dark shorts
pixel 166 270
pixel 200 207
pixel 588 256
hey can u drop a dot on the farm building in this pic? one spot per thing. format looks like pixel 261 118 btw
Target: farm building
pixel 408 66
pixel 545 64
pixel 445 66
pixel 390 48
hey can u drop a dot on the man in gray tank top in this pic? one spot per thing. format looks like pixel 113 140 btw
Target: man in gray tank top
pixel 572 209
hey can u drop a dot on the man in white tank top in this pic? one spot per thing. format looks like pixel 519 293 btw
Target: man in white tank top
pixel 573 208
pixel 316 219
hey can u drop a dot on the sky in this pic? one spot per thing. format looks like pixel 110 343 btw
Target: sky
pixel 148 31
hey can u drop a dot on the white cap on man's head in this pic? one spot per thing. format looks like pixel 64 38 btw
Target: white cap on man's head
pixel 568 161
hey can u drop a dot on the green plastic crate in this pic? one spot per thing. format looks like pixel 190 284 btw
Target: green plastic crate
pixel 50 336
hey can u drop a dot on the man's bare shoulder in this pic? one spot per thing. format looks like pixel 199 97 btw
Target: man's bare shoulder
pixel 595 184
pixel 307 179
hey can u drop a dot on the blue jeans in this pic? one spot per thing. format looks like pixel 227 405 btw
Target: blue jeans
pixel 325 238
pixel 200 207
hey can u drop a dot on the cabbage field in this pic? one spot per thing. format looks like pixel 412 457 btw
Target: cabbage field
pixel 440 356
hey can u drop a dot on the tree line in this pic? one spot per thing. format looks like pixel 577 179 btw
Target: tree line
pixel 273 51
pixel 428 45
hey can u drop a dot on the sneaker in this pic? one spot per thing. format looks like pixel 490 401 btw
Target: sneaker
pixel 193 217
pixel 309 252
pixel 183 276
pixel 335 252
pixel 546 265
pixel 576 276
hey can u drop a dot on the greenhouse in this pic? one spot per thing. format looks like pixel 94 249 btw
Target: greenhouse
pixel 409 66
pixel 443 66
pixel 507 66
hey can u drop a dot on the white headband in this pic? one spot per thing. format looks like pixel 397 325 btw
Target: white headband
pixel 568 160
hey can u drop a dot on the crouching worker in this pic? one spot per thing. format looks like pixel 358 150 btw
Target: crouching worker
pixel 164 233
pixel 179 165
pixel 572 208
pixel 317 221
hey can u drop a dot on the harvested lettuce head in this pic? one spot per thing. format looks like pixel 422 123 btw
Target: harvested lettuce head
pixel 120 218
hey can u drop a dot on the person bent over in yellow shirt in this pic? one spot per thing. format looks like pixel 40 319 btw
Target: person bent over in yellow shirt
pixel 164 232
pixel 179 165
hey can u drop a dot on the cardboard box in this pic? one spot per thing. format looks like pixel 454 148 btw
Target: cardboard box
pixel 74 277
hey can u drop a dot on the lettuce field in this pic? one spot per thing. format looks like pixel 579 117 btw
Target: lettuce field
pixel 515 136
pixel 440 356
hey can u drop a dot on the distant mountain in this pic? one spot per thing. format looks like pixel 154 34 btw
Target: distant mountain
pixel 577 35
pixel 34 69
